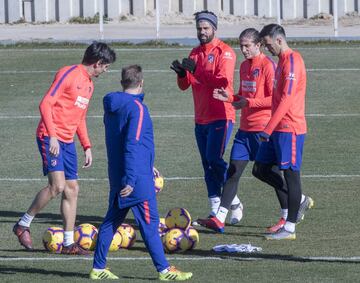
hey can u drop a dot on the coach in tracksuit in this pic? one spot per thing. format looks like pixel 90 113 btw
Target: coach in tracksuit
pixel 130 151
pixel 210 66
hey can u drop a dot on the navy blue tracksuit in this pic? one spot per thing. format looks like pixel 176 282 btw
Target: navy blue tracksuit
pixel 130 150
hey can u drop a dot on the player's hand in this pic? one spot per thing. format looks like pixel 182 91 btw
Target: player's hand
pixel 178 68
pixel 156 173
pixel 264 137
pixel 88 158
pixel 241 103
pixel 220 94
pixel 126 191
pixel 54 147
pixel 189 65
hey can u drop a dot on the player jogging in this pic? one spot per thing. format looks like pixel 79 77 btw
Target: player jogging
pixel 210 66
pixel 284 135
pixel 130 151
pixel 63 114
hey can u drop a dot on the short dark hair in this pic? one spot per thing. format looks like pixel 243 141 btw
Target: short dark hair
pixel 273 30
pixel 131 76
pixel 251 33
pixel 98 51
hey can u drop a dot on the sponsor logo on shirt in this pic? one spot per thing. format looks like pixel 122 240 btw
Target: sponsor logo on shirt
pixel 291 77
pixel 248 86
pixel 81 102
pixel 227 55
pixel 211 58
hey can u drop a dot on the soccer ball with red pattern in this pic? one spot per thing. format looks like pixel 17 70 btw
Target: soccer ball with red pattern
pixel 193 237
pixel 116 242
pixel 53 239
pixel 128 235
pixel 178 218
pixel 162 227
pixel 175 240
pixel 85 235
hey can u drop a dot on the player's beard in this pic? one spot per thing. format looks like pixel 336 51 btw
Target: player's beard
pixel 204 39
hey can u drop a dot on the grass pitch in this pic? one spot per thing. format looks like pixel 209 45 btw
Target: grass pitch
pixel 326 249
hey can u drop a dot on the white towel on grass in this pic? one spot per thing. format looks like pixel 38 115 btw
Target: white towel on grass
pixel 236 248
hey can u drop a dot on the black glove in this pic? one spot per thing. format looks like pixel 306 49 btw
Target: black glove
pixel 178 68
pixel 189 65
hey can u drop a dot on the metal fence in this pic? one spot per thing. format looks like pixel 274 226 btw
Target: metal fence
pixel 62 10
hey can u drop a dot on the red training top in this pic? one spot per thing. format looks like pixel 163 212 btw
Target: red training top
pixel 256 85
pixel 215 64
pixel 288 103
pixel 64 106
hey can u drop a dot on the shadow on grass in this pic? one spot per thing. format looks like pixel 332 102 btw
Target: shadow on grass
pixel 240 233
pixel 253 256
pixel 9 270
pixel 262 256
pixel 55 219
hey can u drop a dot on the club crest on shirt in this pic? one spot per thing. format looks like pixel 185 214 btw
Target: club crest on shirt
pixel 53 162
pixel 81 102
pixel 256 73
pixel 211 58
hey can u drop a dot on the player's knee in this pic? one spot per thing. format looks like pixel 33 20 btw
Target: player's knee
pixel 256 171
pixel 71 191
pixel 233 172
pixel 56 189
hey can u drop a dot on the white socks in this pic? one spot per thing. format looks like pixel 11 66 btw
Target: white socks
pixel 290 227
pixel 221 214
pixel 235 201
pixel 214 204
pixel 166 270
pixel 68 238
pixel 284 213
pixel 302 198
pixel 26 220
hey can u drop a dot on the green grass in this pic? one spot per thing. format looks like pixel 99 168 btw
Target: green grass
pixel 332 148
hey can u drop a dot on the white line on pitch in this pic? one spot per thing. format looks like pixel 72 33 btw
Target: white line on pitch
pixel 224 257
pixel 177 178
pixel 181 116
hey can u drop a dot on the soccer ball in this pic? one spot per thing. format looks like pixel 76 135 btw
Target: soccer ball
pixel 159 183
pixel 128 235
pixel 175 240
pixel 178 218
pixel 162 227
pixel 116 242
pixel 193 237
pixel 53 239
pixel 85 235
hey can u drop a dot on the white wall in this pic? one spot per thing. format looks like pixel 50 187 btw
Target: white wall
pixel 48 10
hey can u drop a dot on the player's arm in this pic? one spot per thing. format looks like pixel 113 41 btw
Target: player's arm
pixel 184 78
pixel 265 100
pixel 83 136
pixel 290 76
pixel 133 138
